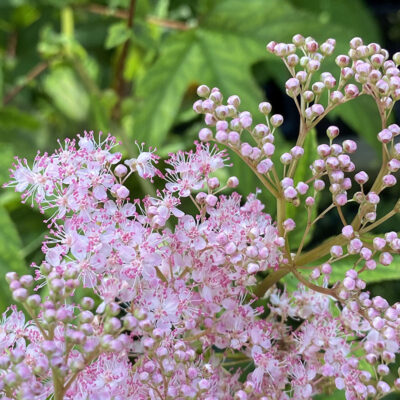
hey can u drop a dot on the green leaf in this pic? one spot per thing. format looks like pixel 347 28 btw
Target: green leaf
pixel 67 93
pixel 351 14
pixel 362 116
pixel 117 34
pixel 10 256
pixel 13 118
pixel 380 274
pixel 336 395
pixel 160 92
pixel 303 172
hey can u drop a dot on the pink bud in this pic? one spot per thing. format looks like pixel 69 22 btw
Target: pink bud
pixel 342 61
pixel 264 166
pixel 203 91
pixel 332 132
pixel 351 91
pixel 361 177
pixel 349 283
pixel 276 120
pixel 234 101
pixel 286 182
pixel 355 246
pixel 379 243
pixel 298 40
pixel 269 149
pixel 385 258
pixel 371 264
pixel 348 231
pixel 310 201
pixel 326 268
pixel 271 46
pixel 319 185
pixel 232 182
pixel 233 137
pixel 366 253
pixel 198 106
pixel 394 165
pixel 289 224
pixel 349 146
pixel 230 248
pixel 297 152
pixel 317 109
pixel 290 193
pixel 385 136
pixel 323 150
pixel 246 149
pixel 293 86
pixel 341 199
pixel 265 108
pixel 221 136
pixel 389 180
pixel 120 171
pixel 336 251
pixel 302 187
pixel 122 192
pixel 205 134
pixel 213 183
pixel 372 198
pixel 253 268
pixel 260 130
pixel 211 200
pixel 382 86
pixel 315 274
pixel 336 96
pixel 286 158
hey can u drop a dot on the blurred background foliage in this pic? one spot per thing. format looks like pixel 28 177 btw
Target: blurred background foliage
pixel 132 67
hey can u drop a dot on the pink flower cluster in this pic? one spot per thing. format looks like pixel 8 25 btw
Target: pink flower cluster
pixel 186 306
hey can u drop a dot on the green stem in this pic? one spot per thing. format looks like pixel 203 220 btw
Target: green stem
pixel 269 281
pixel 321 250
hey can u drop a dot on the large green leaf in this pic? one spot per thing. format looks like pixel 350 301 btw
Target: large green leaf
pixel 10 256
pixel 160 92
pixel 380 274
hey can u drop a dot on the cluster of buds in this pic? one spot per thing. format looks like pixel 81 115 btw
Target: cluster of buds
pixel 62 338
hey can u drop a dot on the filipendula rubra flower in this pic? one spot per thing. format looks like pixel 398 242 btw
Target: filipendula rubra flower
pixel 186 306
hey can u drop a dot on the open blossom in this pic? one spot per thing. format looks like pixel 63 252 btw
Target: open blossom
pixel 191 169
pixel 187 305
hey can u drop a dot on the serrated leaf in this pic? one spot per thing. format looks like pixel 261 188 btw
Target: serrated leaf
pixel 161 90
pixel 67 93
pixel 117 34
pixel 351 14
pixel 10 256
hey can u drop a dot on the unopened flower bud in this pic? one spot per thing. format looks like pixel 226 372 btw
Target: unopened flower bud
pixel 276 120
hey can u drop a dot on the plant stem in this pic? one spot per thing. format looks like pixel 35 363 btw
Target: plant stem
pixel 320 289
pixel 378 222
pixel 321 250
pixel 269 281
